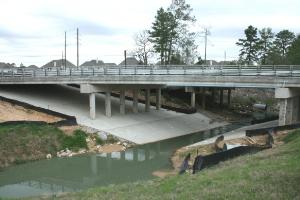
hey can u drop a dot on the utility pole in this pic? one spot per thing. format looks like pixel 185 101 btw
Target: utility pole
pixel 125 57
pixel 77 47
pixel 62 59
pixel 205 36
pixel 65 49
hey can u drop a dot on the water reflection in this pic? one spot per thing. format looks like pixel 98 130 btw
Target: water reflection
pixel 80 172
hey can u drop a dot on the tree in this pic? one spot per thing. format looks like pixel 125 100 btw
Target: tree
pixel 170 29
pixel 266 44
pixel 282 42
pixel 162 34
pixel 250 45
pixel 144 48
pixel 187 48
pixel 293 54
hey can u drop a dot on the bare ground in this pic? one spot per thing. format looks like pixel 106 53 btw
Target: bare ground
pixel 11 112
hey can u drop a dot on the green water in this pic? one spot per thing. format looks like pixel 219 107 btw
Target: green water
pixel 72 174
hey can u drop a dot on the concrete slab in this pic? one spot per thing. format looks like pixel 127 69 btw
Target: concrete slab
pixel 237 133
pixel 139 127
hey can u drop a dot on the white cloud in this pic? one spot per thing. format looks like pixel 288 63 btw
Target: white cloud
pixel 32 31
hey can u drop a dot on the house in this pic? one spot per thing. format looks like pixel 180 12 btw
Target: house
pixel 6 67
pixel 57 64
pixel 131 61
pixel 93 63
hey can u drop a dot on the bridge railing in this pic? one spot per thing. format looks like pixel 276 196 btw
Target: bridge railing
pixel 215 70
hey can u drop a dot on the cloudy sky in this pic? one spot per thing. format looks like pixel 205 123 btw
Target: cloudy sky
pixel 32 31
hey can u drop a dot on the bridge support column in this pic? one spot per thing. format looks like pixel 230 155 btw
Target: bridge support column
pixel 135 101
pixel 193 99
pixel 92 98
pixel 158 99
pixel 228 97
pixel 147 100
pixel 289 100
pixel 122 102
pixel 221 97
pixel 203 98
pixel 213 95
pixel 107 104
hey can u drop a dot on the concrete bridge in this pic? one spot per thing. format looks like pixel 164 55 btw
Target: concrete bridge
pixel 284 79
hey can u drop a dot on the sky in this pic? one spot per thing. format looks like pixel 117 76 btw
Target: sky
pixel 32 31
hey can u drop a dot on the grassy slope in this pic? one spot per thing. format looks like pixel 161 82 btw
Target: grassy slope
pixel 25 142
pixel 271 174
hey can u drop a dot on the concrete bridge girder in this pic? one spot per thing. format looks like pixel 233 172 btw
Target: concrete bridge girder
pixel 92 89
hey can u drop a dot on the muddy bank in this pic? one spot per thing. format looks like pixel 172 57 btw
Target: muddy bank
pixel 207 149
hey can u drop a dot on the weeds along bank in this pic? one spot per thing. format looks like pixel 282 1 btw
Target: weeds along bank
pixel 20 143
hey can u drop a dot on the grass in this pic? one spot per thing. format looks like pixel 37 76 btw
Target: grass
pixel 26 142
pixel 270 174
pixel 76 141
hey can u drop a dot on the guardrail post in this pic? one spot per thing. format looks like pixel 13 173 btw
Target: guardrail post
pixel 2 74
pixel 57 73
pixel 239 70
pixel 184 70
pixel 23 73
pixel 291 70
pixel 81 71
pixel 12 73
pixel 45 71
pixel 274 68
pixel 120 70
pixel 93 71
pixel 168 69
pixel 34 73
pixel 70 71
pixel 135 70
pixel 151 70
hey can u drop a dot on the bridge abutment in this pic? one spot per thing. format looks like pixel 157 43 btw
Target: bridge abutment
pixel 289 100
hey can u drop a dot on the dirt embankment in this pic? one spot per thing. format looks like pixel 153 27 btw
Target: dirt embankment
pixel 11 112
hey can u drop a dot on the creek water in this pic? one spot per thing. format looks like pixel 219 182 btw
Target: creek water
pixel 50 177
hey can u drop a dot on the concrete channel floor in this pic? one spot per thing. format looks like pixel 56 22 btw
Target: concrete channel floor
pixel 139 128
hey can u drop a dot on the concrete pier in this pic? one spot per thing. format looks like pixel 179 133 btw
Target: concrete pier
pixel 122 102
pixel 203 98
pixel 135 101
pixel 193 99
pixel 228 97
pixel 92 105
pixel 158 99
pixel 221 97
pixel 289 111
pixel 107 104
pixel 147 100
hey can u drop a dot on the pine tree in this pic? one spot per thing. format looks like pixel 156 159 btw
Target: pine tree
pixel 250 45
pixel 282 42
pixel 266 44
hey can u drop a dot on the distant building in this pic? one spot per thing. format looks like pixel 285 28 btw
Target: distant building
pixel 7 65
pixel 93 63
pixel 131 61
pixel 57 64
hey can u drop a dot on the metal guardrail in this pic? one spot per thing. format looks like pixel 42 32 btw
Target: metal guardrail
pixel 215 70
